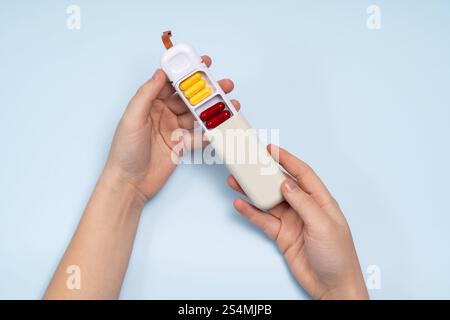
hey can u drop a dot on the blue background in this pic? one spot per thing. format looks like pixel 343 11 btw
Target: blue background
pixel 368 109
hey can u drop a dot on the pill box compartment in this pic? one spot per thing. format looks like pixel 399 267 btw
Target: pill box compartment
pixel 222 114
pixel 195 87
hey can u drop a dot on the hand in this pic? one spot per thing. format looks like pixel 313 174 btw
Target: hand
pixel 139 163
pixel 311 231
pixel 141 152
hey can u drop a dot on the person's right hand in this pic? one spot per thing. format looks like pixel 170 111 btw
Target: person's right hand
pixel 144 152
pixel 311 232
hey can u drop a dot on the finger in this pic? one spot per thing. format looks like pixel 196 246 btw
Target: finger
pixel 177 105
pixel 235 185
pixel 266 222
pixel 186 120
pixel 192 139
pixel 303 203
pixel 227 85
pixel 140 105
pixel 207 60
pixel 236 104
pixel 166 91
pixel 197 140
pixel 276 211
pixel 306 177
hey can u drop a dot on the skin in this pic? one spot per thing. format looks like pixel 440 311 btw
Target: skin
pixel 309 228
pixel 139 163
pixel 311 232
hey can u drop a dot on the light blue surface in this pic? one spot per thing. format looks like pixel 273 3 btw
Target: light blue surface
pixel 368 109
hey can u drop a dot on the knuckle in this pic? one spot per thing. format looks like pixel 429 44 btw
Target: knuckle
pixel 141 90
pixel 328 201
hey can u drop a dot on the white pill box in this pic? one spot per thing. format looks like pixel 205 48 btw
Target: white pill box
pixel 231 136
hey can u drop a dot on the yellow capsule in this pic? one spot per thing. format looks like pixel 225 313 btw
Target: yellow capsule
pixel 190 81
pixel 196 87
pixel 199 96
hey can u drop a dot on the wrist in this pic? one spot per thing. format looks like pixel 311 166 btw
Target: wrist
pixel 351 290
pixel 113 183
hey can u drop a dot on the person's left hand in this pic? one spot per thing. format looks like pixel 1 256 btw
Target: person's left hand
pixel 141 152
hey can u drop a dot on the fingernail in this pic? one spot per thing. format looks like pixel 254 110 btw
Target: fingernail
pixel 155 75
pixel 274 151
pixel 290 185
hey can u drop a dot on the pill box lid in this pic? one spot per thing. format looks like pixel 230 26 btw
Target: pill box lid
pixel 179 61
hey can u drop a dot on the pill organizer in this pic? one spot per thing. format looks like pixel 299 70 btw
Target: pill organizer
pixel 229 133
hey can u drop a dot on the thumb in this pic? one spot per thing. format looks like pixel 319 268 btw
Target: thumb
pixel 140 105
pixel 302 203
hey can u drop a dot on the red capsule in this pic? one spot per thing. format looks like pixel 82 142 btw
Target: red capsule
pixel 220 118
pixel 215 109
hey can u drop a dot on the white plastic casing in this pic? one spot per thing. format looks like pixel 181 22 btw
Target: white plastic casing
pixel 234 141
